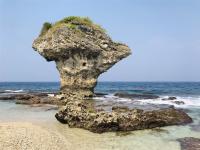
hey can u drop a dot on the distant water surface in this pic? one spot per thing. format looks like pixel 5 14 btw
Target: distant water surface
pixel 188 92
pixel 158 88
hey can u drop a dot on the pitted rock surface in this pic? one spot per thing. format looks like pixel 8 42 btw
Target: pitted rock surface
pixel 82 114
pixel 82 51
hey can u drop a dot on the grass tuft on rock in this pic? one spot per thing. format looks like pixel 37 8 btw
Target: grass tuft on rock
pixel 45 28
pixel 77 20
pixel 71 22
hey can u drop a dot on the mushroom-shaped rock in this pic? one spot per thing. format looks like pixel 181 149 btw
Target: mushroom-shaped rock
pixel 82 51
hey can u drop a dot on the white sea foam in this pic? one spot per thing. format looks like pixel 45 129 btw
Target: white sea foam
pixel 187 101
pixel 14 91
pixel 111 97
pixel 50 95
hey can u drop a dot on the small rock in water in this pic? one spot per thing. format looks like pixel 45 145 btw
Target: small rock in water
pixel 195 127
pixel 7 97
pixel 136 96
pixel 189 143
pixel 170 98
pixel 100 94
pixel 178 102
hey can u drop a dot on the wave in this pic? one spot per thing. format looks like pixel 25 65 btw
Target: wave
pixel 13 91
pixel 111 97
pixel 180 102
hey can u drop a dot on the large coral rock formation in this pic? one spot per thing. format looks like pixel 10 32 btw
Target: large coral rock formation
pixel 82 51
pixel 82 114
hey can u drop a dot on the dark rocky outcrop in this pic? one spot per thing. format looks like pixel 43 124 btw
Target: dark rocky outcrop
pixel 136 96
pixel 189 143
pixel 7 97
pixel 82 51
pixel 39 100
pixel 174 100
pixel 34 98
pixel 82 114
pixel 100 94
pixel 24 96
pixel 178 102
pixel 170 98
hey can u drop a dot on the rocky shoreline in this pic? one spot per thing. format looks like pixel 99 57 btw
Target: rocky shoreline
pixel 86 114
pixel 82 114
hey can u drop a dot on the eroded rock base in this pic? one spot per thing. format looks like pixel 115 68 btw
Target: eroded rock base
pixel 82 114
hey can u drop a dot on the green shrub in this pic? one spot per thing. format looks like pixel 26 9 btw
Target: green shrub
pixel 71 26
pixel 74 20
pixel 45 28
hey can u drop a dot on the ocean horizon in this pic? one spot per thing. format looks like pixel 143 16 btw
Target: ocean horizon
pixel 188 92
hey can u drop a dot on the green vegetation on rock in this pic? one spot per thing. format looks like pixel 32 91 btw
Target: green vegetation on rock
pixel 45 28
pixel 74 21
pixel 77 20
pixel 71 22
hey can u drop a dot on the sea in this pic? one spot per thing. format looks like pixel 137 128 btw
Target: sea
pixel 165 138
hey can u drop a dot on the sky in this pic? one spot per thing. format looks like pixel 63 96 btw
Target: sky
pixel 164 36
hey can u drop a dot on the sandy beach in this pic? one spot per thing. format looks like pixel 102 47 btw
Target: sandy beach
pixel 26 136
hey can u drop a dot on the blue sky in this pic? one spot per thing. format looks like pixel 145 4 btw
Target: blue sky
pixel 164 36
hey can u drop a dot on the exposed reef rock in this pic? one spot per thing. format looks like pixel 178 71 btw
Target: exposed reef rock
pixel 82 51
pixel 35 98
pixel 170 98
pixel 82 114
pixel 136 96
pixel 189 143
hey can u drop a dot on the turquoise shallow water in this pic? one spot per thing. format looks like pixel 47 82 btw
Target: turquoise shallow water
pixel 163 138
pixel 135 140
